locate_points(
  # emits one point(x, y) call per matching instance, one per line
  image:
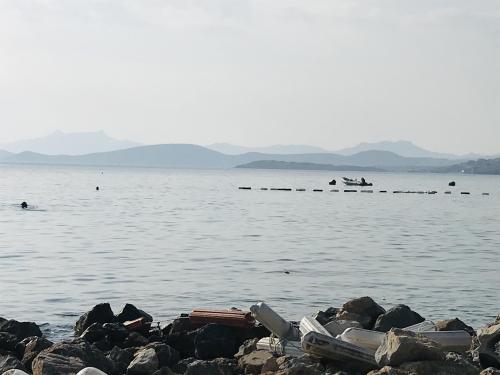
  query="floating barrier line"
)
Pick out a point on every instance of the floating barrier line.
point(431, 192)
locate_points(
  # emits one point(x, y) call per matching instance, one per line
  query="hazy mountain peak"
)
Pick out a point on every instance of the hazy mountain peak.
point(61, 143)
point(230, 149)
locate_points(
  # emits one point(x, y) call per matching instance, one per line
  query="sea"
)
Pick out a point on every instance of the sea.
point(169, 241)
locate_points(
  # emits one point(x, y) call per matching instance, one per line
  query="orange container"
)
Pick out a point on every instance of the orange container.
point(231, 318)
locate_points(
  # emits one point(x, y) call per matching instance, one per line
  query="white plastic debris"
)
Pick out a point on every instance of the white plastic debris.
point(273, 322)
point(309, 324)
point(91, 371)
point(280, 348)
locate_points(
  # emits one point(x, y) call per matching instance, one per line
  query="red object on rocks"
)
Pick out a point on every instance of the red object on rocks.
point(231, 318)
point(137, 324)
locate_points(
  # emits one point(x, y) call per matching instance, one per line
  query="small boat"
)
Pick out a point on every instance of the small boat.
point(355, 182)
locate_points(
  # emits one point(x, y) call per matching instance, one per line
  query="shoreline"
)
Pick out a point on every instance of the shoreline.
point(360, 337)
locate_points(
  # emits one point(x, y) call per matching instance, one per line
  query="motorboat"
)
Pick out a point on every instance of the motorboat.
point(355, 182)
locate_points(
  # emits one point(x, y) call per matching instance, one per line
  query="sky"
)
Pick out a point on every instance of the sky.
point(330, 73)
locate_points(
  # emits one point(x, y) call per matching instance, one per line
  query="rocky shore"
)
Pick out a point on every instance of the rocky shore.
point(361, 337)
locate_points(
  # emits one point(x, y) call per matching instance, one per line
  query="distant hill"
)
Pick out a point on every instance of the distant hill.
point(402, 148)
point(59, 143)
point(481, 166)
point(4, 154)
point(230, 149)
point(273, 164)
point(193, 156)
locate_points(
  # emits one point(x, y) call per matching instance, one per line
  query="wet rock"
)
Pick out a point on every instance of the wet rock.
point(181, 366)
point(134, 339)
point(215, 340)
point(71, 355)
point(365, 307)
point(454, 325)
point(8, 341)
point(121, 359)
point(400, 316)
point(116, 332)
point(9, 362)
point(100, 313)
point(93, 333)
point(253, 362)
point(402, 346)
point(130, 312)
point(20, 329)
point(247, 347)
point(167, 356)
point(490, 371)
point(337, 327)
point(54, 364)
point(145, 362)
point(182, 342)
point(103, 344)
point(489, 346)
point(180, 325)
point(32, 347)
point(218, 366)
point(325, 316)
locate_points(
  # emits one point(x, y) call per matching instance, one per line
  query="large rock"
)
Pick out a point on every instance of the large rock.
point(20, 329)
point(246, 348)
point(100, 313)
point(130, 312)
point(121, 359)
point(402, 346)
point(253, 362)
point(8, 341)
point(167, 356)
point(400, 316)
point(134, 339)
point(93, 333)
point(215, 340)
point(145, 362)
point(76, 354)
point(364, 307)
point(218, 366)
point(9, 362)
point(116, 332)
point(32, 347)
point(183, 342)
point(489, 346)
point(325, 316)
point(454, 325)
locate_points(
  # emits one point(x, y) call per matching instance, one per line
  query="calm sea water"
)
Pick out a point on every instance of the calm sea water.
point(172, 240)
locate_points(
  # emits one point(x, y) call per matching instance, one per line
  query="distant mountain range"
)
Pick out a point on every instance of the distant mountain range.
point(230, 149)
point(59, 143)
point(193, 156)
point(481, 166)
point(273, 164)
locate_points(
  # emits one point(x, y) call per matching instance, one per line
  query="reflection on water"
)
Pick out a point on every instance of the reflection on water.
point(172, 240)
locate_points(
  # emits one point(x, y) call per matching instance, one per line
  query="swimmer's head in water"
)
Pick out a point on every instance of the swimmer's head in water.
point(24, 205)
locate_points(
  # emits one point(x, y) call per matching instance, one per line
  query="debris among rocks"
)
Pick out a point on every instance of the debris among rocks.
point(399, 316)
point(454, 325)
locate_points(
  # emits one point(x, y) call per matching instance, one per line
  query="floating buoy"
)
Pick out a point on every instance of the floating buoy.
point(350, 191)
point(318, 190)
point(24, 205)
point(334, 190)
point(447, 192)
point(332, 182)
point(241, 188)
point(300, 189)
point(263, 188)
point(451, 183)
point(465, 193)
point(382, 191)
point(367, 191)
point(97, 188)
point(486, 194)
point(432, 192)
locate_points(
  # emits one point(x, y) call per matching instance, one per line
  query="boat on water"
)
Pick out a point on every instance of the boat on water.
point(355, 182)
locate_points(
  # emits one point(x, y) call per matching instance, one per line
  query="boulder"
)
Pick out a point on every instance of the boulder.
point(253, 362)
point(183, 342)
point(54, 364)
point(145, 362)
point(116, 332)
point(218, 366)
point(91, 371)
point(9, 362)
point(489, 346)
point(20, 329)
point(454, 325)
point(32, 347)
point(77, 353)
point(121, 359)
point(167, 356)
point(337, 327)
point(181, 324)
point(215, 340)
point(134, 339)
point(365, 307)
point(403, 346)
point(400, 316)
point(130, 312)
point(247, 347)
point(325, 316)
point(8, 341)
point(100, 313)
point(93, 333)
point(181, 366)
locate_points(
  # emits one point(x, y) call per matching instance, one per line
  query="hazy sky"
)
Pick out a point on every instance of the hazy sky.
point(330, 73)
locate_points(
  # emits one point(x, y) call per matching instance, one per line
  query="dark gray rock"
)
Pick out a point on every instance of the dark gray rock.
point(399, 316)
point(20, 329)
point(246, 348)
point(8, 341)
point(9, 362)
point(180, 325)
point(116, 332)
point(326, 316)
point(56, 364)
point(454, 325)
point(182, 342)
point(488, 350)
point(215, 340)
point(218, 366)
point(253, 362)
point(100, 313)
point(130, 312)
point(121, 359)
point(364, 306)
point(75, 352)
point(181, 366)
point(32, 347)
point(403, 346)
point(94, 332)
point(103, 344)
point(167, 356)
point(145, 362)
point(134, 339)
